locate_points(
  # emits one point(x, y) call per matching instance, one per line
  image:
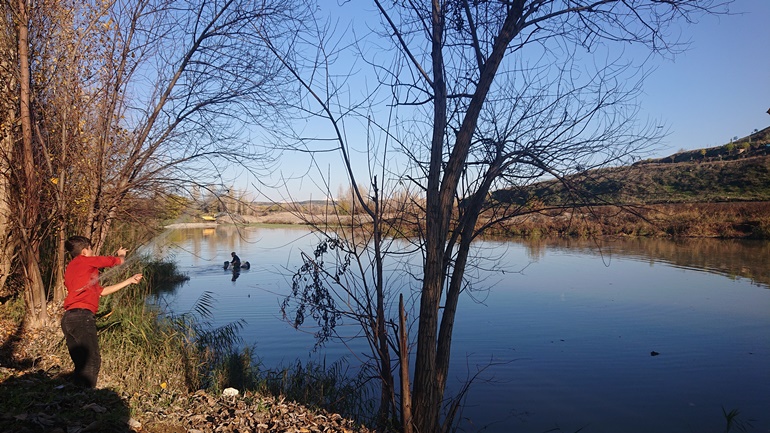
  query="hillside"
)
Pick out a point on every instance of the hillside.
point(737, 171)
point(756, 144)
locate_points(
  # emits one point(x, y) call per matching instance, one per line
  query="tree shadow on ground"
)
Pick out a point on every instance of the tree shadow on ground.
point(42, 402)
point(9, 347)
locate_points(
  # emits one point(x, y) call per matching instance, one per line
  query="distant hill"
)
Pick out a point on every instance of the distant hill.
point(737, 171)
point(756, 144)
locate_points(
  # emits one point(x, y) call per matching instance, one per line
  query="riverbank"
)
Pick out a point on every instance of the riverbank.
point(726, 220)
point(144, 385)
point(280, 217)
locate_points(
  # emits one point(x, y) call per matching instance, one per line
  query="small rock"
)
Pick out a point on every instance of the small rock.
point(230, 392)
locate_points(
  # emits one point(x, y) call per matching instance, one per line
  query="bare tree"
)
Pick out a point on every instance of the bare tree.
point(475, 97)
point(129, 100)
point(196, 77)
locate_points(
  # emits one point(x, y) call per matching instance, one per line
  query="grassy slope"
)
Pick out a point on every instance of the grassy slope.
point(737, 171)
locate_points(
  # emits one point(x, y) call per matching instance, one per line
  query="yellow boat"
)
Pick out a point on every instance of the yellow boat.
point(209, 217)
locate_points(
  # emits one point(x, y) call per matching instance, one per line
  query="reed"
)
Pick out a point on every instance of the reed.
point(735, 421)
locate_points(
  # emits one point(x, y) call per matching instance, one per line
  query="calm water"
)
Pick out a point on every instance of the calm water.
point(565, 330)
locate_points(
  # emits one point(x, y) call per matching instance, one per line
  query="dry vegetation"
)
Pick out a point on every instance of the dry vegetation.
point(144, 385)
point(740, 220)
point(713, 220)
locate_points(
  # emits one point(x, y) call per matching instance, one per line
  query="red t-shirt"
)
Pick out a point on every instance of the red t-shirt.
point(82, 281)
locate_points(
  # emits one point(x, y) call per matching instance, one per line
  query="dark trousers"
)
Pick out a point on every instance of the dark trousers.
point(79, 327)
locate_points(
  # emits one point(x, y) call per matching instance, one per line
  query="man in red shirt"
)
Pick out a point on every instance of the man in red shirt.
point(83, 291)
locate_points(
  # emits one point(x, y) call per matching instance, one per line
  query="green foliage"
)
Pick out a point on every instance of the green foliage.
point(162, 275)
point(173, 207)
point(156, 357)
point(316, 385)
point(141, 352)
point(745, 179)
point(206, 347)
point(333, 388)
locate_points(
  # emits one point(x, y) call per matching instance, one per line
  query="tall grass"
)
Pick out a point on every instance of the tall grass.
point(154, 358)
point(333, 387)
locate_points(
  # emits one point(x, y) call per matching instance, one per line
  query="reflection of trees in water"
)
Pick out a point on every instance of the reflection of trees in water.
point(163, 276)
point(536, 249)
point(730, 257)
point(166, 288)
point(213, 239)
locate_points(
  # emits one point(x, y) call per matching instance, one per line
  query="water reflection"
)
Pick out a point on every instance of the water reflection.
point(570, 339)
point(728, 257)
point(732, 258)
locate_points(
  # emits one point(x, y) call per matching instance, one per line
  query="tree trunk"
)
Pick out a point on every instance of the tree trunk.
point(7, 122)
point(387, 396)
point(34, 292)
point(426, 399)
point(34, 289)
point(6, 240)
point(403, 347)
point(430, 380)
point(59, 291)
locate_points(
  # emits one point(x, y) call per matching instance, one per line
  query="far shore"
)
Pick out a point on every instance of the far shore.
point(727, 220)
point(191, 225)
point(272, 218)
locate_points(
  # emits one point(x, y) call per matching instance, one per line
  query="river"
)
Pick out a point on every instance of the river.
point(642, 335)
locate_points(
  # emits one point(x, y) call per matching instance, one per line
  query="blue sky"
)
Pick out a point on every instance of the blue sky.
point(717, 89)
point(720, 87)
